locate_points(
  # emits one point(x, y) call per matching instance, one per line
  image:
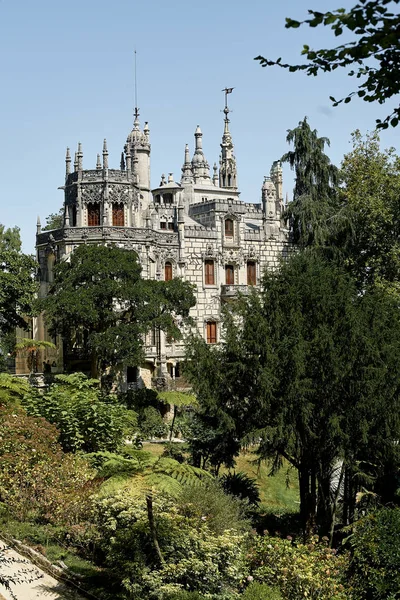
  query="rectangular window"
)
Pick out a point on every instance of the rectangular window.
point(251, 273)
point(118, 217)
point(211, 332)
point(163, 225)
point(170, 226)
point(228, 228)
point(168, 271)
point(209, 278)
point(93, 212)
point(229, 275)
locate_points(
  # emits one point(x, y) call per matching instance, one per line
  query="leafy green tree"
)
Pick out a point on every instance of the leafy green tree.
point(87, 420)
point(374, 541)
point(54, 221)
point(314, 195)
point(373, 54)
point(30, 347)
point(152, 476)
point(180, 401)
point(310, 367)
point(100, 290)
point(17, 282)
point(369, 238)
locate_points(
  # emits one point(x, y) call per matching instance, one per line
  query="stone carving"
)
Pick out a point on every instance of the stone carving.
point(92, 192)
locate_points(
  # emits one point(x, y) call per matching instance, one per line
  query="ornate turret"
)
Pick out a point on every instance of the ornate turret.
point(187, 174)
point(227, 162)
point(137, 148)
point(200, 166)
point(67, 163)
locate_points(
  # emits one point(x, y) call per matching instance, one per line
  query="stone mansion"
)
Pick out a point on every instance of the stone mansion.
point(197, 229)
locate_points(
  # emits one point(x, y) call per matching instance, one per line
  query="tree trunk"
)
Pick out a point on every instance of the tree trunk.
point(153, 531)
point(172, 424)
point(307, 485)
point(94, 372)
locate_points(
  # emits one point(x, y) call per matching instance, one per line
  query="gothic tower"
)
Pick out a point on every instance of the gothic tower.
point(227, 161)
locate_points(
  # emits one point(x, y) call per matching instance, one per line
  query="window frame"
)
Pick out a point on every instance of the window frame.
point(251, 277)
point(229, 233)
point(168, 271)
point(118, 211)
point(93, 208)
point(231, 270)
point(209, 274)
point(211, 332)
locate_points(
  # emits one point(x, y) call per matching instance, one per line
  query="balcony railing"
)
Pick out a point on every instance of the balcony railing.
point(231, 290)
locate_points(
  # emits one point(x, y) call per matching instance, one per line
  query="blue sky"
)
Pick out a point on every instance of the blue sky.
point(67, 77)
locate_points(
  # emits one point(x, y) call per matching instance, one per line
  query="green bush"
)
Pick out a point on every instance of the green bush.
point(310, 571)
point(196, 558)
point(86, 420)
point(241, 485)
point(213, 506)
point(374, 569)
point(182, 595)
point(175, 450)
point(261, 591)
point(151, 423)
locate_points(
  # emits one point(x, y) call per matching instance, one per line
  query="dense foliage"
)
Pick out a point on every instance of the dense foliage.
point(375, 555)
point(17, 283)
point(99, 291)
point(300, 571)
point(37, 480)
point(373, 54)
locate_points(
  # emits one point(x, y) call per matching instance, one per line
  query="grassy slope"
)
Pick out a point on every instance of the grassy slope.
point(275, 494)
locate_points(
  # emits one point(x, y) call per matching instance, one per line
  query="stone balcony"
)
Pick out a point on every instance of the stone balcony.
point(229, 291)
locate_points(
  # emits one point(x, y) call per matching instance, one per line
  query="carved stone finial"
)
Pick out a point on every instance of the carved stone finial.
point(67, 162)
point(38, 226)
point(98, 163)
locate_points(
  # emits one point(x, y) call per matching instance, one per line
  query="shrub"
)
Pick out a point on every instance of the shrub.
point(151, 423)
point(213, 506)
point(85, 420)
point(196, 558)
point(176, 451)
point(241, 485)
point(37, 480)
point(261, 591)
point(374, 568)
point(300, 571)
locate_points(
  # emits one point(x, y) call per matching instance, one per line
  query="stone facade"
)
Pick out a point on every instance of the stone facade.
point(197, 229)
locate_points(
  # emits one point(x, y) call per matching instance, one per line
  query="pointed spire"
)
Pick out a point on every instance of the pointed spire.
point(98, 163)
point(67, 162)
point(80, 157)
point(122, 163)
point(76, 162)
point(66, 221)
point(187, 174)
point(200, 166)
point(215, 175)
point(227, 161)
point(105, 155)
point(162, 182)
point(38, 226)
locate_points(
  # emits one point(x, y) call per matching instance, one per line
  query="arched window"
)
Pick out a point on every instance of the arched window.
point(93, 214)
point(251, 273)
point(118, 217)
point(229, 275)
point(229, 180)
point(168, 271)
point(228, 228)
point(167, 198)
point(211, 331)
point(157, 199)
point(209, 273)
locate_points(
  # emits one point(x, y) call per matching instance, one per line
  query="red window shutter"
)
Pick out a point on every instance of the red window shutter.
point(251, 273)
point(93, 211)
point(229, 275)
point(211, 332)
point(209, 272)
point(118, 217)
point(168, 271)
point(228, 228)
